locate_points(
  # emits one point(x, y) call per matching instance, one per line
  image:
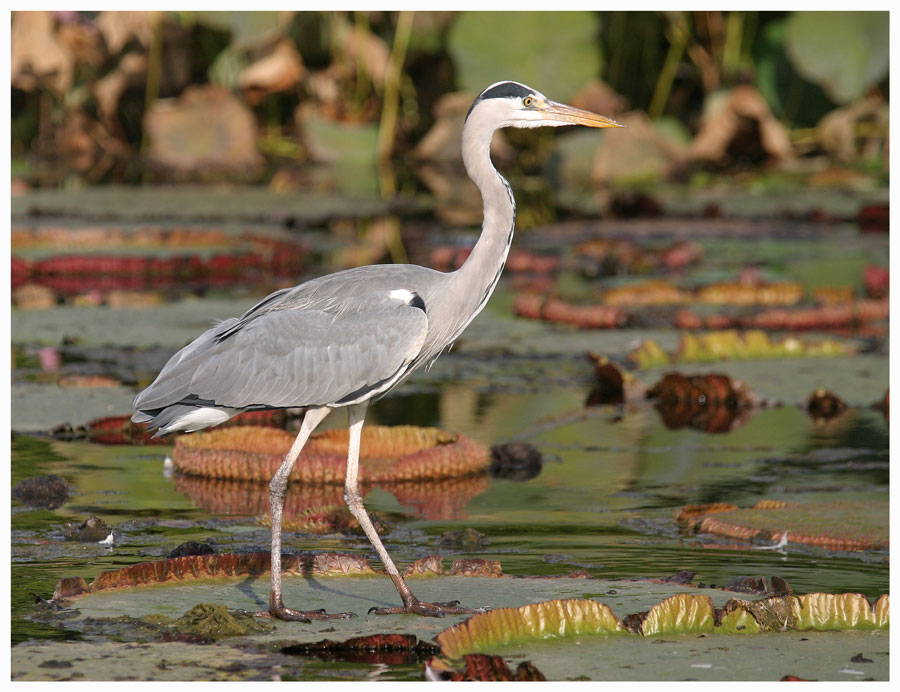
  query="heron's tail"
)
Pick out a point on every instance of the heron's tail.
point(183, 418)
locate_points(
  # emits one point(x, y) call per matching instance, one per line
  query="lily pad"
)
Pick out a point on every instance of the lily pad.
point(557, 618)
point(398, 453)
point(844, 74)
point(684, 613)
point(523, 622)
point(829, 525)
point(529, 50)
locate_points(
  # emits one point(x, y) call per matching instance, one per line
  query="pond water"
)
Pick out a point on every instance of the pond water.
point(604, 499)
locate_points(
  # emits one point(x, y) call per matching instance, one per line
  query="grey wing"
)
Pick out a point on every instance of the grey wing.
point(291, 358)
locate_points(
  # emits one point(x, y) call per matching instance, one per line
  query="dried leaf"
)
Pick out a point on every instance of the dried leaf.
point(206, 129)
point(280, 69)
point(118, 28)
point(37, 58)
point(740, 122)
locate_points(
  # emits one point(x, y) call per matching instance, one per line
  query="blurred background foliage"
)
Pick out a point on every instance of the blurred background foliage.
point(131, 97)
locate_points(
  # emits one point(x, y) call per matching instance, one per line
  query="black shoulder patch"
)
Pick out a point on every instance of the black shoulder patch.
point(417, 302)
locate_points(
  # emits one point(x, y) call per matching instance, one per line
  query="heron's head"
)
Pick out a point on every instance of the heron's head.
point(510, 104)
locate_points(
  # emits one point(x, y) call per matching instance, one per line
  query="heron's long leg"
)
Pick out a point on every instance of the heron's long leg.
point(411, 604)
point(277, 490)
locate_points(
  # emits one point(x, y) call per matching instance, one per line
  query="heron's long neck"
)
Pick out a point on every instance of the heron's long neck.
point(478, 276)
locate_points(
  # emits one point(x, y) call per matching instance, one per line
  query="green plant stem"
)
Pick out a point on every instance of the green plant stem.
point(154, 73)
point(731, 51)
point(390, 101)
point(387, 128)
point(677, 42)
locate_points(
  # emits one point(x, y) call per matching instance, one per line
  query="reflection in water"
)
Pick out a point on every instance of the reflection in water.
point(321, 508)
point(516, 461)
point(711, 403)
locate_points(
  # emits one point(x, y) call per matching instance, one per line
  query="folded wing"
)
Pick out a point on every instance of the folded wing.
point(287, 358)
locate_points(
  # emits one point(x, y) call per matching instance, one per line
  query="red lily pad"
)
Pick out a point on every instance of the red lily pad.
point(829, 525)
point(399, 453)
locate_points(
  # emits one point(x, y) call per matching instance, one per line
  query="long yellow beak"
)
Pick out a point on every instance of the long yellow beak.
point(568, 114)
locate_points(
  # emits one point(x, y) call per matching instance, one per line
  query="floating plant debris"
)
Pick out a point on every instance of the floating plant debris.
point(398, 453)
point(515, 461)
point(49, 492)
point(823, 405)
point(214, 621)
point(476, 567)
point(712, 402)
point(464, 539)
point(828, 525)
point(482, 668)
point(191, 548)
point(91, 530)
point(609, 387)
point(374, 649)
point(431, 565)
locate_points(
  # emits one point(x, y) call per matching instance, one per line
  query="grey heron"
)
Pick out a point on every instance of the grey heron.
point(342, 340)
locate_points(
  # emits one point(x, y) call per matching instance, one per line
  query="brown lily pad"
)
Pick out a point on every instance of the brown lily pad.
point(829, 525)
point(554, 310)
point(193, 567)
point(399, 453)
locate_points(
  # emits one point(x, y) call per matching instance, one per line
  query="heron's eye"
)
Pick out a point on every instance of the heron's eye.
point(528, 101)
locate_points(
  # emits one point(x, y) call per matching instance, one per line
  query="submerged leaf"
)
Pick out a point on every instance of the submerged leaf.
point(213, 621)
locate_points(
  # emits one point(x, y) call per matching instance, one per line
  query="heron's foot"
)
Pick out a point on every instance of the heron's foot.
point(432, 610)
point(289, 614)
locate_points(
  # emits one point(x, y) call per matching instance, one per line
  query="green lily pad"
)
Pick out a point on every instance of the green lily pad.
point(555, 52)
point(556, 618)
point(681, 614)
point(844, 52)
point(830, 525)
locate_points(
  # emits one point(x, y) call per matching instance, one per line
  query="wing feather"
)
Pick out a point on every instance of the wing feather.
point(291, 358)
